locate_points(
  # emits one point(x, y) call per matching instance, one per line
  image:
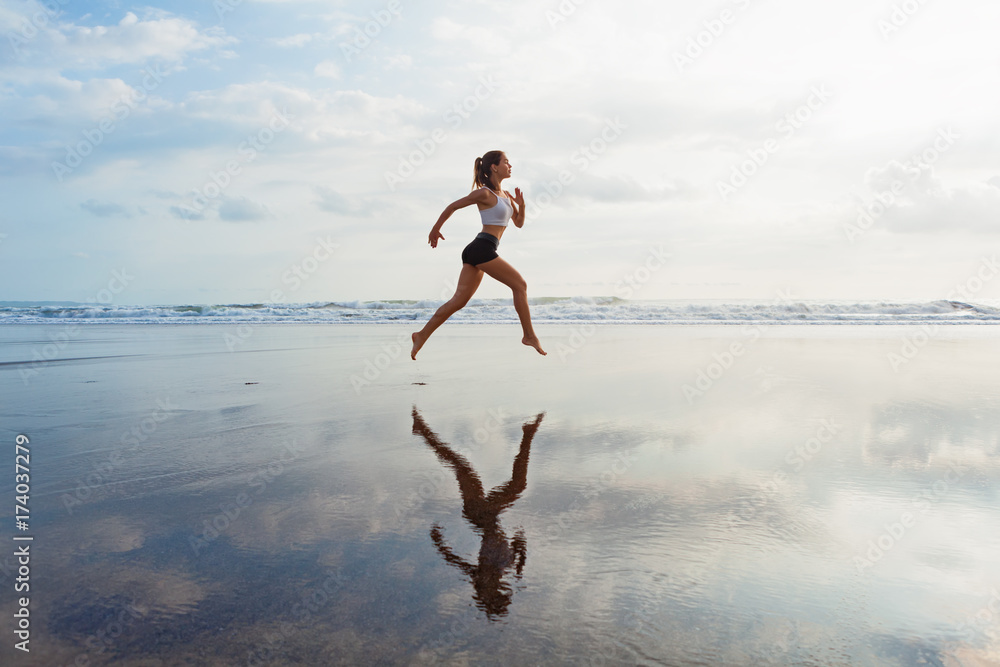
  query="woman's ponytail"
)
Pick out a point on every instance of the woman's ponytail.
point(481, 170)
point(476, 170)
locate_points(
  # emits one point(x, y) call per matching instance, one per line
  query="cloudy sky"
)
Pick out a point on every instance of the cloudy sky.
point(200, 152)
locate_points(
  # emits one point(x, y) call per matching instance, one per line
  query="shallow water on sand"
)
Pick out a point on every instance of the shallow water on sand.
point(307, 495)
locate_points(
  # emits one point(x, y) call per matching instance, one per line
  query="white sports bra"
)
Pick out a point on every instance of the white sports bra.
point(499, 215)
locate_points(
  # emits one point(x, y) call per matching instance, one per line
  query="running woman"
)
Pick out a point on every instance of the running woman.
point(497, 208)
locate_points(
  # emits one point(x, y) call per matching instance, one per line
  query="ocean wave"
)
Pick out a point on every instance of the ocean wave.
point(611, 310)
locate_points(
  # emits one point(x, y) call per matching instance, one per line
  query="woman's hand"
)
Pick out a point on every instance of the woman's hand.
point(518, 206)
point(433, 238)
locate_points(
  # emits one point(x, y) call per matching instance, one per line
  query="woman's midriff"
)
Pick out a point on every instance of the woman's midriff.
point(494, 230)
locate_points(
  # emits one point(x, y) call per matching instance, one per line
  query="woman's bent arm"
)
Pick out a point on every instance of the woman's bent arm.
point(479, 196)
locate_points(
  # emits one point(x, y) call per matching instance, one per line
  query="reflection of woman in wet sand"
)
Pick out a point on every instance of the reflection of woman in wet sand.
point(496, 555)
point(496, 207)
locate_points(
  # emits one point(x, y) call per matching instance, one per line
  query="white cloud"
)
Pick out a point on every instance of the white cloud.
point(918, 201)
point(241, 210)
point(294, 41)
point(245, 103)
point(131, 40)
point(401, 62)
point(328, 69)
point(354, 120)
point(481, 40)
point(332, 201)
point(337, 116)
point(59, 99)
point(972, 209)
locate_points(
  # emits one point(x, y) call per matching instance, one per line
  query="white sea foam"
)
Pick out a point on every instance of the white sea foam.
point(609, 310)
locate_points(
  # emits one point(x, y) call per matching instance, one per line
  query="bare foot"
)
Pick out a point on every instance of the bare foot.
point(418, 342)
point(533, 342)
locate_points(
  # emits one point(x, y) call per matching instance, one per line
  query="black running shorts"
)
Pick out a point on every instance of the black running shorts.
point(482, 249)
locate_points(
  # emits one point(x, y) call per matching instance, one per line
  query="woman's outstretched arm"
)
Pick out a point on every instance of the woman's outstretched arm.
point(449, 555)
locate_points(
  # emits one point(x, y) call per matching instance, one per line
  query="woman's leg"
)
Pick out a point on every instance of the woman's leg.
point(500, 270)
point(468, 283)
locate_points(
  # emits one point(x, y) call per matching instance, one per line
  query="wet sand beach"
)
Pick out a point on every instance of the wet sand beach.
point(308, 495)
